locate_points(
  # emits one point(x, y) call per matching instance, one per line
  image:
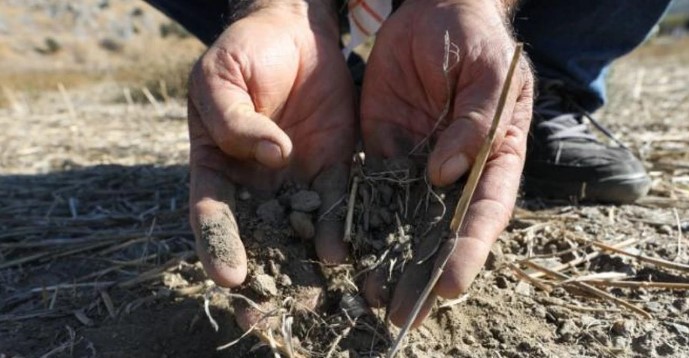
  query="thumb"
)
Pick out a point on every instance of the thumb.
point(227, 112)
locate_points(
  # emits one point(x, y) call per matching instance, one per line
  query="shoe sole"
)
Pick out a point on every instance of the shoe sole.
point(616, 190)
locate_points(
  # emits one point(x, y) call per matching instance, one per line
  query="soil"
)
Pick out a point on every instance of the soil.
point(97, 258)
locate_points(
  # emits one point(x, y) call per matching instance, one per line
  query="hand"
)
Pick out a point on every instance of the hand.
point(270, 100)
point(404, 93)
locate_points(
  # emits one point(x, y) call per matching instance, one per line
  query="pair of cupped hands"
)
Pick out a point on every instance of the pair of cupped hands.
point(272, 100)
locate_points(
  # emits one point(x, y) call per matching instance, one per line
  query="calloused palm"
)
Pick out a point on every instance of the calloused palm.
point(270, 100)
point(404, 93)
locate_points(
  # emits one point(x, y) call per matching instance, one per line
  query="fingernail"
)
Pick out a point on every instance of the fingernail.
point(453, 169)
point(268, 153)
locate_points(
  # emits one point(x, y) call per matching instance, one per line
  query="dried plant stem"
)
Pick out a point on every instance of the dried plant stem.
point(533, 280)
point(590, 289)
point(350, 210)
point(149, 96)
point(647, 259)
point(462, 204)
point(641, 284)
point(67, 100)
point(585, 258)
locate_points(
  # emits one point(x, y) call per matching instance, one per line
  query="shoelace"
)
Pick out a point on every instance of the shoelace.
point(566, 125)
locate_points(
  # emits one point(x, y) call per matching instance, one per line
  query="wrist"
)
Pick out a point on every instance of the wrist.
point(320, 15)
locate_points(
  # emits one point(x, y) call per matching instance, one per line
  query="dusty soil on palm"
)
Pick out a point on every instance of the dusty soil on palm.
point(97, 257)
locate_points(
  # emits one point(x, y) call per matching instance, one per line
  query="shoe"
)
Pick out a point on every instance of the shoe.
point(566, 161)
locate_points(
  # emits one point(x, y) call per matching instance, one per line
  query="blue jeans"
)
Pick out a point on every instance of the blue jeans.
point(571, 40)
point(576, 40)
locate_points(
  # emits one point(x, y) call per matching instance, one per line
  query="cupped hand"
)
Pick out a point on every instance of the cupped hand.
point(271, 100)
point(404, 94)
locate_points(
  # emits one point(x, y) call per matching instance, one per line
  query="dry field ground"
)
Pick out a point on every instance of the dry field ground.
point(96, 256)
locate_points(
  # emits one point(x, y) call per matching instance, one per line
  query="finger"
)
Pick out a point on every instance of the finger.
point(211, 199)
point(487, 216)
point(331, 186)
point(474, 107)
point(416, 275)
point(218, 90)
point(407, 292)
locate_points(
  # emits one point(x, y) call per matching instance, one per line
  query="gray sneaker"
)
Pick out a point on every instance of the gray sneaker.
point(565, 160)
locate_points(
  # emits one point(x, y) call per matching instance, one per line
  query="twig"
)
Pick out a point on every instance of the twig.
point(339, 338)
point(455, 302)
point(67, 100)
point(533, 280)
point(152, 99)
point(156, 272)
point(651, 260)
point(462, 204)
point(350, 210)
point(641, 284)
point(679, 234)
point(590, 289)
point(128, 97)
point(12, 98)
point(585, 258)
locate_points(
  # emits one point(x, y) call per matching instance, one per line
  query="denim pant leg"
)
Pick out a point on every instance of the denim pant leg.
point(575, 41)
point(204, 19)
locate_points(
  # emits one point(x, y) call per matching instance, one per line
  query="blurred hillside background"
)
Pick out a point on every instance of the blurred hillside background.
point(46, 42)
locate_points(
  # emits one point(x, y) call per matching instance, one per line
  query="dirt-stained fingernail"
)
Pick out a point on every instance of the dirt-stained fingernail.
point(453, 169)
point(270, 154)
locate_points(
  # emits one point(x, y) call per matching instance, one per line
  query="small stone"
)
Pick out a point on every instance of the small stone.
point(271, 212)
point(620, 342)
point(302, 224)
point(654, 306)
point(681, 304)
point(665, 229)
point(244, 195)
point(665, 349)
point(469, 340)
point(501, 282)
point(680, 328)
point(495, 257)
point(623, 327)
point(285, 280)
point(525, 289)
point(567, 331)
point(264, 285)
point(259, 235)
point(539, 311)
point(305, 200)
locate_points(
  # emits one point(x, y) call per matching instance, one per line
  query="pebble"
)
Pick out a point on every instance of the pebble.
point(654, 306)
point(665, 349)
point(305, 200)
point(271, 212)
point(244, 195)
point(567, 331)
point(681, 304)
point(469, 339)
point(501, 282)
point(264, 285)
point(623, 327)
point(285, 280)
point(302, 224)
